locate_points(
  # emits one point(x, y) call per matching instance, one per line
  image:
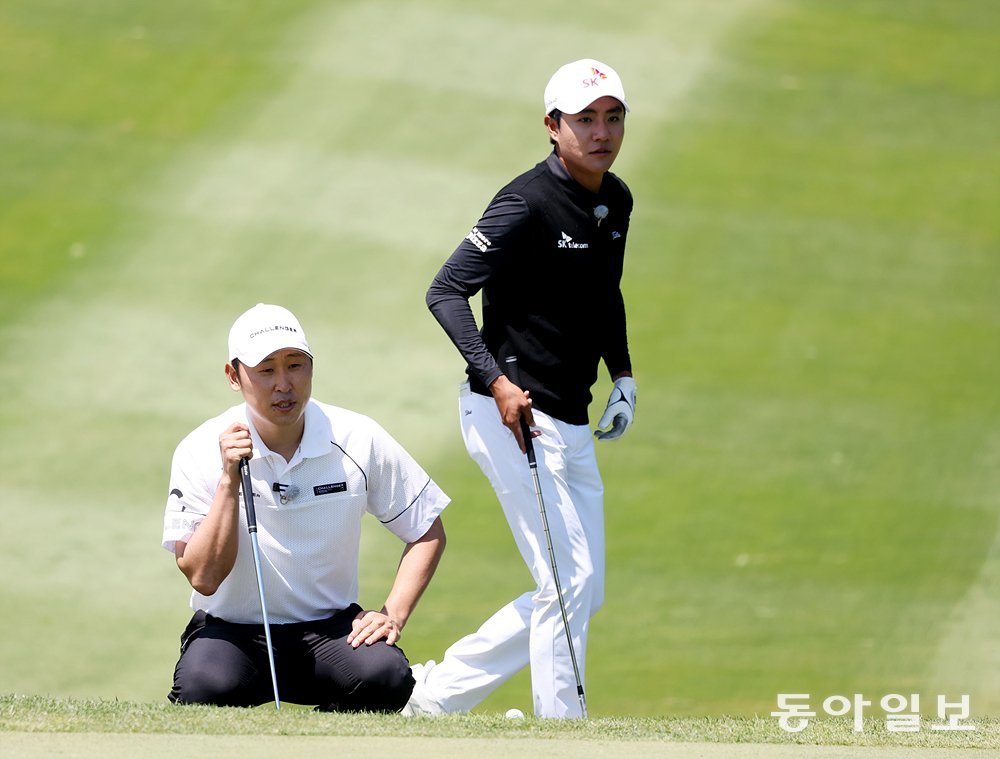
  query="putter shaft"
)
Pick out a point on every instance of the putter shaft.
point(255, 544)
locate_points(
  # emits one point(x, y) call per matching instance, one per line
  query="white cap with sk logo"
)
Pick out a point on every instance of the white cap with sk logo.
point(578, 84)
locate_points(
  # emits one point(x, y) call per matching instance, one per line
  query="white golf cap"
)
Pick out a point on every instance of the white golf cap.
point(262, 330)
point(578, 84)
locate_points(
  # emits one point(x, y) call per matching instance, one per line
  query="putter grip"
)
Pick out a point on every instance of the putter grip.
point(248, 494)
point(515, 376)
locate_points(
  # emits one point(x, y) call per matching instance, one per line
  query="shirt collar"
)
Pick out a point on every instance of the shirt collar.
point(316, 435)
point(555, 166)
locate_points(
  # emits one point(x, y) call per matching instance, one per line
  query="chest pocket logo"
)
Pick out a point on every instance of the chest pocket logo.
point(330, 487)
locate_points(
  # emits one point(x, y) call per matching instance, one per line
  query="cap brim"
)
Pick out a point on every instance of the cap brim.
point(583, 101)
point(252, 359)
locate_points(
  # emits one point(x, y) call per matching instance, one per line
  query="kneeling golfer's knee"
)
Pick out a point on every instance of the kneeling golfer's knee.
point(386, 685)
point(211, 685)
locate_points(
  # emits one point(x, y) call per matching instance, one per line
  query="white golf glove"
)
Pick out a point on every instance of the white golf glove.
point(620, 410)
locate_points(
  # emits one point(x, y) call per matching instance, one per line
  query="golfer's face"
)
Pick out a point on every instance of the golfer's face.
point(278, 388)
point(589, 141)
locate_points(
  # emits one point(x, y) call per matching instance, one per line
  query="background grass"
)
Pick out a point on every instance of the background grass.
point(808, 501)
point(93, 717)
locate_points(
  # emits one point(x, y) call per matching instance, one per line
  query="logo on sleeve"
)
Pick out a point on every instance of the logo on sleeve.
point(567, 242)
point(179, 495)
point(478, 239)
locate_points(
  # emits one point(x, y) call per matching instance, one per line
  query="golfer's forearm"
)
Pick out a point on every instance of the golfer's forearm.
point(416, 568)
point(210, 555)
point(412, 579)
point(455, 316)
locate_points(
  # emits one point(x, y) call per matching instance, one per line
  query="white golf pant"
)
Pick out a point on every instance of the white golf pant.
point(529, 630)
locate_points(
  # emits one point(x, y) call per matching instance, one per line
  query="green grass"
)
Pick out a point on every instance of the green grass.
point(96, 96)
point(91, 716)
point(808, 501)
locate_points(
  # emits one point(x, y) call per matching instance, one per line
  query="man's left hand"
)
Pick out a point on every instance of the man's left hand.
point(620, 411)
point(372, 626)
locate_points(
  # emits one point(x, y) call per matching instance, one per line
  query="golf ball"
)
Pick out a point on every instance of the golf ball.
point(514, 714)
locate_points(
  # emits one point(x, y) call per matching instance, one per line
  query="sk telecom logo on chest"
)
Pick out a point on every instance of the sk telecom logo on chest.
point(567, 242)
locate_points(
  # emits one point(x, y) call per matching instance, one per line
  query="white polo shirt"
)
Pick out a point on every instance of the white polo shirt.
point(308, 511)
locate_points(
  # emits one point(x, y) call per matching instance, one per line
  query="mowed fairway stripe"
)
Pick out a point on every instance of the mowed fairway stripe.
point(338, 194)
point(968, 657)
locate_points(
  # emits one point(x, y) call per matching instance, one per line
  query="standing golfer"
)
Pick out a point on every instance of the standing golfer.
point(315, 470)
point(547, 255)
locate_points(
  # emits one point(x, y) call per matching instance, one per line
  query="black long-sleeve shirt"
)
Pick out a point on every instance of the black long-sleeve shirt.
point(550, 272)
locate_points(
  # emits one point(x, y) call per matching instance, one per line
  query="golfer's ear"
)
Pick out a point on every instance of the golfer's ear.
point(552, 127)
point(233, 375)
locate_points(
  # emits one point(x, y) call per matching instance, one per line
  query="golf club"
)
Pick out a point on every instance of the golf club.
point(514, 376)
point(252, 527)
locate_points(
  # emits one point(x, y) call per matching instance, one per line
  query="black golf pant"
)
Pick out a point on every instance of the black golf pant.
point(226, 664)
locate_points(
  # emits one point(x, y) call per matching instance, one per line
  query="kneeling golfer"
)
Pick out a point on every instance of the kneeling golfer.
point(314, 470)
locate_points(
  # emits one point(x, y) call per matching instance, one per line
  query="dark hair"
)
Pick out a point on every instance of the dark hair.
point(556, 115)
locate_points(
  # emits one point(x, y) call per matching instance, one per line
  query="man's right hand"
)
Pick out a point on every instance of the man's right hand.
point(513, 403)
point(235, 444)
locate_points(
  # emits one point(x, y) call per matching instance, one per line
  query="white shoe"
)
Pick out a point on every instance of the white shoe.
point(421, 703)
